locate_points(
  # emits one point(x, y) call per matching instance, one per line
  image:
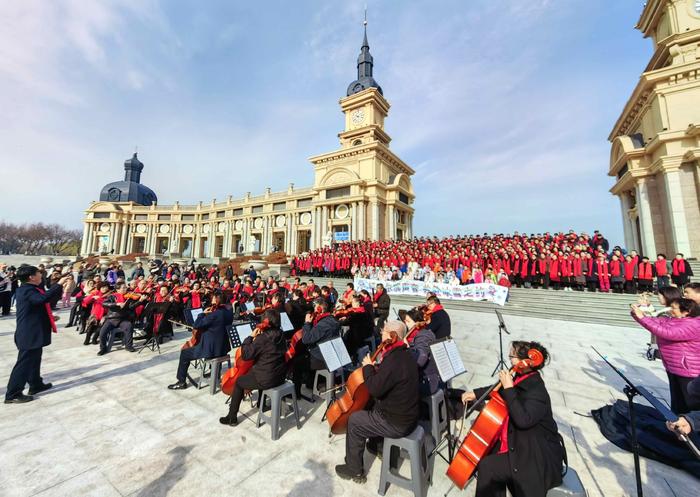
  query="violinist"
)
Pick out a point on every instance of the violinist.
point(297, 308)
point(361, 326)
point(266, 346)
point(120, 316)
point(381, 302)
point(158, 314)
point(418, 340)
point(318, 327)
point(440, 323)
point(393, 384)
point(94, 300)
point(528, 456)
point(348, 294)
point(214, 342)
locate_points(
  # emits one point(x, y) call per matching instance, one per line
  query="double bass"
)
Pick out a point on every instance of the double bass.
point(240, 365)
point(354, 398)
point(486, 428)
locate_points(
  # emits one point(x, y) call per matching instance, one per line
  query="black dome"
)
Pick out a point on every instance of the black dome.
point(130, 189)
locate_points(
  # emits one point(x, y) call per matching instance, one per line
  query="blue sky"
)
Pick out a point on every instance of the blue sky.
point(503, 107)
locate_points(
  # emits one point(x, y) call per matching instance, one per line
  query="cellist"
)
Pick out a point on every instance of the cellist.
point(266, 346)
point(214, 342)
point(528, 456)
point(393, 384)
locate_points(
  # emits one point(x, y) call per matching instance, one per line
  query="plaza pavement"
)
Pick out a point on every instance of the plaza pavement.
point(109, 427)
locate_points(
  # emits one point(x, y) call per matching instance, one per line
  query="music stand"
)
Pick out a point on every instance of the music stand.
point(450, 365)
point(158, 308)
point(501, 328)
point(631, 391)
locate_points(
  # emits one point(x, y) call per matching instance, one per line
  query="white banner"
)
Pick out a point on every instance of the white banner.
point(488, 292)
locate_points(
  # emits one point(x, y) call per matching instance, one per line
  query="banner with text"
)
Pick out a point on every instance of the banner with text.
point(488, 292)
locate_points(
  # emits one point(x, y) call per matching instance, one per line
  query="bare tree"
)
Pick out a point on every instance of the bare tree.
point(38, 238)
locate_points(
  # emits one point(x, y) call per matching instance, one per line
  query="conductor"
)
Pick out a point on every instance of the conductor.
point(35, 322)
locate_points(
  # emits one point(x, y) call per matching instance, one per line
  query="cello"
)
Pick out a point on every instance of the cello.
point(240, 365)
point(486, 428)
point(354, 398)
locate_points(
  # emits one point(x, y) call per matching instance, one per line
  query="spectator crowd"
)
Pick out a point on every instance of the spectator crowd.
point(562, 261)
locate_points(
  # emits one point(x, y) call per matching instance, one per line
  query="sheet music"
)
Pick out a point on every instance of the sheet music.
point(286, 323)
point(239, 332)
point(342, 351)
point(329, 355)
point(249, 306)
point(455, 359)
point(447, 359)
point(195, 313)
point(334, 353)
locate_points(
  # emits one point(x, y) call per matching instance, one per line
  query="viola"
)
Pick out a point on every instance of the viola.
point(294, 343)
point(354, 398)
point(486, 428)
point(240, 365)
point(196, 333)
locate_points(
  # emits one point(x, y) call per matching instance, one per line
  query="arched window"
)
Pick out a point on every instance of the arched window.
point(356, 143)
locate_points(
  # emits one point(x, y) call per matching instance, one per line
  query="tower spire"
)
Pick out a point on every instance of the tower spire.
point(365, 66)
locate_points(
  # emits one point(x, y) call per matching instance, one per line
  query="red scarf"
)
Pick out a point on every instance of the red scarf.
point(438, 307)
point(320, 317)
point(196, 300)
point(678, 266)
point(615, 268)
point(48, 311)
point(412, 334)
point(645, 271)
point(504, 427)
point(396, 345)
point(661, 268)
point(377, 295)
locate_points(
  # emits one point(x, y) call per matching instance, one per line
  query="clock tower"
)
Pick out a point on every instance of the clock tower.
point(364, 178)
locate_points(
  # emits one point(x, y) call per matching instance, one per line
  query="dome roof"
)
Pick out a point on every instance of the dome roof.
point(130, 189)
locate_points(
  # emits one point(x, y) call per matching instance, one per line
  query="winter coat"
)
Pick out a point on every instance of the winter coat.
point(679, 343)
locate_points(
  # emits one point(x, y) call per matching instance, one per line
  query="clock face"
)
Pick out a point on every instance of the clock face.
point(358, 116)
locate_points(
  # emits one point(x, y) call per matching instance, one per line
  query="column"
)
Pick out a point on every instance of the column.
point(409, 223)
point(375, 220)
point(676, 210)
point(361, 228)
point(114, 238)
point(353, 223)
point(392, 221)
point(126, 231)
point(314, 227)
point(648, 245)
point(624, 206)
point(84, 241)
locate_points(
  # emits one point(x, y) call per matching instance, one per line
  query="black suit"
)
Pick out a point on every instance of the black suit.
point(269, 370)
point(213, 341)
point(440, 324)
point(533, 463)
point(32, 334)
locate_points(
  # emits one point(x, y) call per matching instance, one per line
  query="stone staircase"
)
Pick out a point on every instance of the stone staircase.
point(585, 307)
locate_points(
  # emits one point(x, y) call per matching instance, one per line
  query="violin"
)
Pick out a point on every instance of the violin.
point(354, 398)
point(197, 333)
point(294, 343)
point(486, 428)
point(240, 365)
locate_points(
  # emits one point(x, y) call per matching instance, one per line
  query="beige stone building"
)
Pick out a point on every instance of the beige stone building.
point(360, 191)
point(656, 141)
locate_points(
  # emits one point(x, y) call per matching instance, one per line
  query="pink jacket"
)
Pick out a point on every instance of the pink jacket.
point(679, 343)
